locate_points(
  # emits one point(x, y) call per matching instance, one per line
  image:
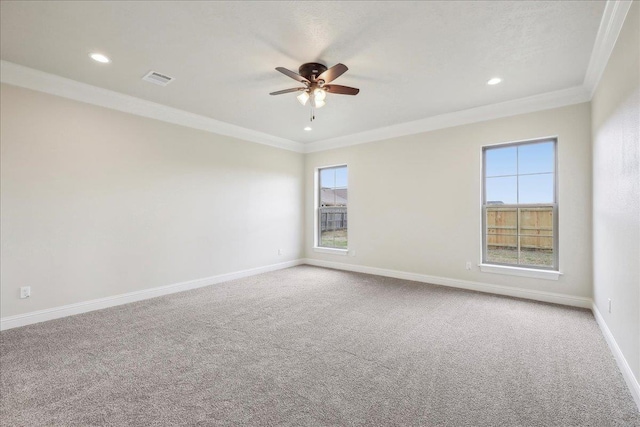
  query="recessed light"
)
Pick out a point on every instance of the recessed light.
point(307, 128)
point(494, 81)
point(100, 58)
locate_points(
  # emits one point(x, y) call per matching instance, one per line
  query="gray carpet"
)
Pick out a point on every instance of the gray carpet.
point(314, 347)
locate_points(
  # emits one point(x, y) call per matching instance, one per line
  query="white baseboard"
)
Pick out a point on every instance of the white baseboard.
point(462, 284)
point(630, 379)
point(563, 299)
point(10, 322)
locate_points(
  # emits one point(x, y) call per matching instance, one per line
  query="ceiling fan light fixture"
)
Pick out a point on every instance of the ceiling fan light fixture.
point(303, 98)
point(319, 94)
point(314, 77)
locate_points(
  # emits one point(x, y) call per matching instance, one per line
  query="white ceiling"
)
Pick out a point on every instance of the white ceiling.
point(411, 60)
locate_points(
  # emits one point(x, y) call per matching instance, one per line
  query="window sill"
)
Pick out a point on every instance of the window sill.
point(519, 271)
point(332, 251)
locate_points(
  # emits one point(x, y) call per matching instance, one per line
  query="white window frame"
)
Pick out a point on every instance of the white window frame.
point(534, 271)
point(316, 215)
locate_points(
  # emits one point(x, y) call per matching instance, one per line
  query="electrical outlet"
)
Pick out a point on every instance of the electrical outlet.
point(279, 251)
point(468, 266)
point(609, 305)
point(25, 291)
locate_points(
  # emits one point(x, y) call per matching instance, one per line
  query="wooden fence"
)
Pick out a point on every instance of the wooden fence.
point(333, 218)
point(536, 227)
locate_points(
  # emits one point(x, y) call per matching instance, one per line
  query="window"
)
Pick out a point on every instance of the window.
point(332, 207)
point(519, 205)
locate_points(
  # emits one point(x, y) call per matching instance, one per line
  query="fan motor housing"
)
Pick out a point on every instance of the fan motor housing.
point(311, 69)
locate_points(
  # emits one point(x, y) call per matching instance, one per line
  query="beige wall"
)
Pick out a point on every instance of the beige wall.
point(616, 191)
point(414, 201)
point(96, 202)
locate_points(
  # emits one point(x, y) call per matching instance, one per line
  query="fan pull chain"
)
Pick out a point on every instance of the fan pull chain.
point(312, 115)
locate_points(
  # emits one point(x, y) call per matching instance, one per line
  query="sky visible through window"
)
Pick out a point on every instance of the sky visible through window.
point(520, 174)
point(334, 177)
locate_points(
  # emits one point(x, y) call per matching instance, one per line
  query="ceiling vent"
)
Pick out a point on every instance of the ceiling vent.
point(157, 78)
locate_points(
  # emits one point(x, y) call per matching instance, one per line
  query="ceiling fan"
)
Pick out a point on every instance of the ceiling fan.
point(315, 77)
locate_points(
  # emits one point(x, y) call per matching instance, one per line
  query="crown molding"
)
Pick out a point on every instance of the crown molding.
point(610, 26)
point(613, 18)
point(545, 101)
point(30, 78)
point(615, 12)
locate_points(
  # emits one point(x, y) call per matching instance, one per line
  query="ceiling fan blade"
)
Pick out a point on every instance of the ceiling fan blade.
point(295, 89)
point(294, 76)
point(333, 73)
point(341, 90)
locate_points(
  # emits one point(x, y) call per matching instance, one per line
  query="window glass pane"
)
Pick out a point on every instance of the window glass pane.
point(536, 221)
point(341, 177)
point(334, 239)
point(327, 197)
point(329, 228)
point(503, 252)
point(327, 178)
point(540, 254)
point(501, 161)
point(536, 236)
point(535, 188)
point(343, 196)
point(536, 158)
point(333, 228)
point(332, 213)
point(524, 235)
point(501, 235)
point(500, 191)
point(501, 222)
